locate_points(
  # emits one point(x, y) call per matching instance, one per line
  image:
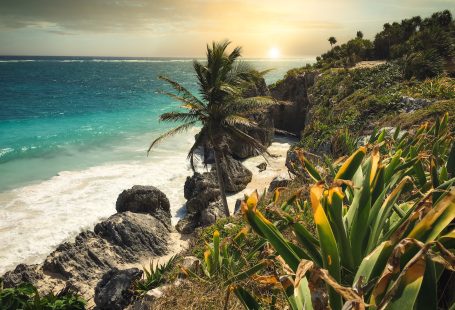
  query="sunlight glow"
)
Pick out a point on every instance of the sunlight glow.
point(274, 53)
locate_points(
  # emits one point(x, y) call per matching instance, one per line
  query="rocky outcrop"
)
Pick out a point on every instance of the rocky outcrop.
point(204, 204)
point(235, 175)
point(291, 117)
point(277, 182)
point(22, 273)
point(123, 238)
point(263, 134)
point(200, 190)
point(115, 290)
point(145, 199)
point(264, 120)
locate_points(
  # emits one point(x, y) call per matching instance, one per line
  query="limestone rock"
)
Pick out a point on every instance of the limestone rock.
point(144, 199)
point(22, 273)
point(235, 175)
point(278, 181)
point(291, 117)
point(115, 290)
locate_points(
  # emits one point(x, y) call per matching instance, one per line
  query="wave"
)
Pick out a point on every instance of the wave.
point(75, 200)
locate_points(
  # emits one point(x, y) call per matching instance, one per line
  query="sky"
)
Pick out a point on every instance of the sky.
point(182, 28)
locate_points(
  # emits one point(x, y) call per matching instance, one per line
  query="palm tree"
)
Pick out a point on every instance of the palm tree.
point(332, 41)
point(359, 34)
point(221, 110)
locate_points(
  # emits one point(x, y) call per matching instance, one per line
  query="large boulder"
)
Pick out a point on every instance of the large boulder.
point(115, 290)
point(235, 175)
point(144, 199)
point(291, 117)
point(263, 134)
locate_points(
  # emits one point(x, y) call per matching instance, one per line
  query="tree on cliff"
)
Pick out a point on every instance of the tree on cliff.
point(332, 41)
point(221, 109)
point(359, 34)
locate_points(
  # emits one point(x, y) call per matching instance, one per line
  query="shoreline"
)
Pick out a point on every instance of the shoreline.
point(51, 204)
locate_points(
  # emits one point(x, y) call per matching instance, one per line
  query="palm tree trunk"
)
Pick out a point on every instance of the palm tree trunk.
point(219, 175)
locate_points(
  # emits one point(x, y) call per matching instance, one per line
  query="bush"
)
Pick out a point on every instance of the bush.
point(423, 64)
point(26, 297)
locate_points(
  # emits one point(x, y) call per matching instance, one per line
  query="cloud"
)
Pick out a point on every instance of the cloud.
point(155, 16)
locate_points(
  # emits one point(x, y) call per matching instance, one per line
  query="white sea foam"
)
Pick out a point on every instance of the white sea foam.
point(34, 219)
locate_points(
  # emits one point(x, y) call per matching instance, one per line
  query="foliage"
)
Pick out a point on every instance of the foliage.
point(154, 276)
point(423, 46)
point(440, 88)
point(422, 64)
point(383, 222)
point(26, 296)
point(222, 110)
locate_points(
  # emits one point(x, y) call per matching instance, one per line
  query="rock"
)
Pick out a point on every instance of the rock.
point(213, 212)
point(122, 238)
point(144, 199)
point(188, 224)
point(262, 166)
point(154, 294)
point(291, 117)
point(235, 175)
point(293, 163)
point(190, 262)
point(22, 273)
point(200, 190)
point(263, 134)
point(278, 181)
point(229, 226)
point(409, 104)
point(115, 290)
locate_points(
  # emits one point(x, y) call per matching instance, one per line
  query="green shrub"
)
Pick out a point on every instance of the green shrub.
point(26, 297)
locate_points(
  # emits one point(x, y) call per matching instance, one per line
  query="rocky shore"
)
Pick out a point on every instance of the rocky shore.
point(101, 264)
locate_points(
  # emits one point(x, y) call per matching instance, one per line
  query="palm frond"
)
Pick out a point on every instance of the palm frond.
point(247, 139)
point(196, 105)
point(236, 120)
point(171, 133)
point(179, 117)
point(199, 140)
point(182, 90)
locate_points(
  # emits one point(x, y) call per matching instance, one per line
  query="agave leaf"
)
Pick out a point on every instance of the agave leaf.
point(329, 248)
point(308, 166)
point(411, 283)
point(350, 166)
point(247, 300)
point(265, 228)
point(436, 220)
point(373, 264)
point(451, 161)
point(247, 273)
point(308, 241)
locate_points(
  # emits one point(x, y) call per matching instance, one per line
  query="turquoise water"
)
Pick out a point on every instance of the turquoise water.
point(61, 114)
point(74, 134)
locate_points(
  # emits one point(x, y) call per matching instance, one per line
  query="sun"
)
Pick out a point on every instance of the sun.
point(274, 53)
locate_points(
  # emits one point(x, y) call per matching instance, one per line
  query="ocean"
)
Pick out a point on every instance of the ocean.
point(74, 133)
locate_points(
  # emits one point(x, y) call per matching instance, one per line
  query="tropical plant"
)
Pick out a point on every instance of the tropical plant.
point(383, 224)
point(332, 41)
point(226, 259)
point(26, 297)
point(359, 34)
point(154, 276)
point(221, 110)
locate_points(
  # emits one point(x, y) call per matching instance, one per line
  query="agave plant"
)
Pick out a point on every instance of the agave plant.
point(384, 216)
point(154, 276)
